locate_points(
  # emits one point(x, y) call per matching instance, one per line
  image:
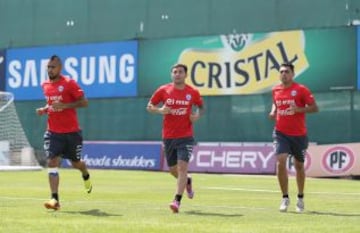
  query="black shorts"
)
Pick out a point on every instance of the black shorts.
point(292, 145)
point(65, 145)
point(178, 149)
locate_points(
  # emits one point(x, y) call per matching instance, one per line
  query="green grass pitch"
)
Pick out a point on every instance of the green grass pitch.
point(137, 201)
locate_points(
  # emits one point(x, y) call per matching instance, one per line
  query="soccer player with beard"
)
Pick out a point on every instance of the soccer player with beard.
point(177, 100)
point(63, 137)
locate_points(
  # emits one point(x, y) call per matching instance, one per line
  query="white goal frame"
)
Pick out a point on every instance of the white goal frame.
point(16, 152)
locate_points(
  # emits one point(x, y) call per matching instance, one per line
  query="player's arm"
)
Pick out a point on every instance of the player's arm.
point(310, 103)
point(311, 108)
point(272, 114)
point(151, 108)
point(80, 103)
point(42, 110)
point(194, 116)
point(307, 109)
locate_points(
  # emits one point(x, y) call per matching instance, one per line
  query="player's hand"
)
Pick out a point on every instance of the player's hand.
point(194, 116)
point(164, 110)
point(294, 109)
point(41, 111)
point(272, 115)
point(58, 106)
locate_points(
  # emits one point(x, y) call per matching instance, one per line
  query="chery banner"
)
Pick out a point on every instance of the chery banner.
point(241, 158)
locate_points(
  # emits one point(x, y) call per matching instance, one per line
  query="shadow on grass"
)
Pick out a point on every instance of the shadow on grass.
point(200, 213)
point(93, 212)
point(331, 214)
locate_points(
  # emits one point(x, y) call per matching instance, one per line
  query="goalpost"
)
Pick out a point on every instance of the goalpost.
point(15, 150)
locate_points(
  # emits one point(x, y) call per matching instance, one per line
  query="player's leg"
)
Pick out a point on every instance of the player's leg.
point(81, 166)
point(170, 156)
point(73, 153)
point(300, 180)
point(300, 144)
point(189, 187)
point(184, 152)
point(182, 168)
point(282, 150)
point(171, 159)
point(189, 180)
point(53, 145)
point(282, 176)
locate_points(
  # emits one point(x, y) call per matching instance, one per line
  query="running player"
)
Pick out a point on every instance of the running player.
point(291, 101)
point(63, 138)
point(177, 99)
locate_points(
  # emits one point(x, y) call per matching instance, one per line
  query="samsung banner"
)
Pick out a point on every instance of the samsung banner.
point(121, 155)
point(101, 69)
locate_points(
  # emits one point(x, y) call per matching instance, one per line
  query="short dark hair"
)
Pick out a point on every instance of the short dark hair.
point(289, 65)
point(180, 65)
point(55, 58)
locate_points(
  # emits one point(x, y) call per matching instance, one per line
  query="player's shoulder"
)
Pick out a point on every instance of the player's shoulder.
point(300, 86)
point(66, 79)
point(165, 87)
point(191, 88)
point(277, 87)
point(45, 82)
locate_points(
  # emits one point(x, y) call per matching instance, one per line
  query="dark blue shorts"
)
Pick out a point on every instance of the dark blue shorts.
point(292, 145)
point(65, 145)
point(178, 149)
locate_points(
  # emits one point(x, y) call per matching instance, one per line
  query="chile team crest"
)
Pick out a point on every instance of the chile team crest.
point(61, 88)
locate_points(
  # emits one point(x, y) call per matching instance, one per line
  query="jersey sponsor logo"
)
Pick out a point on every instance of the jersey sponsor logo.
point(171, 101)
point(288, 111)
point(178, 111)
point(338, 159)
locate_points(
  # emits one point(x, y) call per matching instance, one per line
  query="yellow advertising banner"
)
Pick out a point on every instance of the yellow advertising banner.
point(254, 69)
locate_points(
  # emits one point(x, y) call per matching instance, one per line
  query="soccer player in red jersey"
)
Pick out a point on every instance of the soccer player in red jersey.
point(291, 101)
point(177, 100)
point(63, 137)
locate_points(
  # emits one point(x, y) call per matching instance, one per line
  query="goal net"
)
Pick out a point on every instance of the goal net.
point(15, 150)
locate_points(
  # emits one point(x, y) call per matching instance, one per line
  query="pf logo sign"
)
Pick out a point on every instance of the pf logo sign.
point(338, 160)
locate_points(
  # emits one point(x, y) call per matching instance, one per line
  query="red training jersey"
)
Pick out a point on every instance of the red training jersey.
point(177, 124)
point(65, 90)
point(288, 122)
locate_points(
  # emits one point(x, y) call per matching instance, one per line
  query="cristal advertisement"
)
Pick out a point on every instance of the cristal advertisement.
point(238, 64)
